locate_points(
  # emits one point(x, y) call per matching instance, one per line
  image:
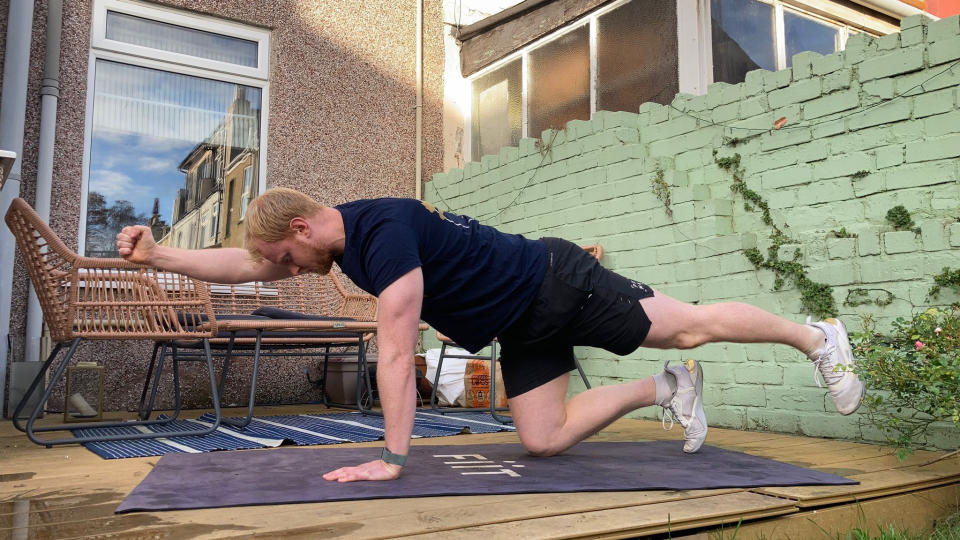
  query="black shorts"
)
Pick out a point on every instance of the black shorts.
point(579, 303)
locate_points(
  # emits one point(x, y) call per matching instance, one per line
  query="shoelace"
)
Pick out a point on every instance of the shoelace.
point(673, 412)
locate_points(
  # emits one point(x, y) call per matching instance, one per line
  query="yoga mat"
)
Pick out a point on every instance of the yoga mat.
point(293, 475)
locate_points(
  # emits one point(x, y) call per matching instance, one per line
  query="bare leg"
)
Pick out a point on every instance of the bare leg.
point(678, 325)
point(548, 426)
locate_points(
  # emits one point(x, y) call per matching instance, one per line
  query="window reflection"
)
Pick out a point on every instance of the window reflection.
point(165, 149)
point(805, 34)
point(559, 82)
point(497, 110)
point(743, 38)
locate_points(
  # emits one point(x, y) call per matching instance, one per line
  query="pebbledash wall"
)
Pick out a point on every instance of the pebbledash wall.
point(868, 128)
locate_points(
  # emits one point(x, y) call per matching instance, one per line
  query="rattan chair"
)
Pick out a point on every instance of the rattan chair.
point(445, 342)
point(105, 299)
point(304, 316)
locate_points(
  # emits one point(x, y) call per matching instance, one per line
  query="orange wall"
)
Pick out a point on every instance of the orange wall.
point(943, 8)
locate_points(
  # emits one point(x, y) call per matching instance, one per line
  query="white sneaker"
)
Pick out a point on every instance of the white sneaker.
point(686, 405)
point(835, 363)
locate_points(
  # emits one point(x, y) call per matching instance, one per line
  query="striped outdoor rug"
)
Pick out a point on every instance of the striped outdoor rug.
point(272, 431)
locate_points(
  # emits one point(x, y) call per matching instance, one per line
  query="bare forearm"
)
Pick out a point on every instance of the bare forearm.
point(219, 265)
point(395, 381)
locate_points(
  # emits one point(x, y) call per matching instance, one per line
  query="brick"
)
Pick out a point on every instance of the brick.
point(830, 128)
point(895, 63)
point(945, 28)
point(779, 139)
point(843, 165)
point(758, 373)
point(837, 273)
point(721, 93)
point(753, 82)
point(888, 42)
point(912, 36)
point(490, 162)
point(890, 155)
point(743, 395)
point(857, 48)
point(797, 92)
point(881, 88)
point(812, 151)
point(933, 235)
point(822, 65)
point(842, 248)
point(839, 79)
point(670, 128)
point(942, 124)
point(954, 229)
point(931, 103)
point(939, 148)
point(868, 243)
point(924, 174)
point(829, 424)
point(802, 63)
point(830, 104)
point(822, 191)
point(797, 399)
point(943, 51)
point(899, 242)
point(787, 176)
point(873, 183)
point(888, 113)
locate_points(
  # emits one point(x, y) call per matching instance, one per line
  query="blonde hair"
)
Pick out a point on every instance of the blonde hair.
point(268, 216)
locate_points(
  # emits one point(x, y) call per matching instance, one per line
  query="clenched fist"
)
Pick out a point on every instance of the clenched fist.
point(135, 244)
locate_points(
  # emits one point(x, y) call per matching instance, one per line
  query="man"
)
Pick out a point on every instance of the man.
point(472, 282)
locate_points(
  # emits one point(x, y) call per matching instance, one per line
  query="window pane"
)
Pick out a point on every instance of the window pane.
point(742, 38)
point(163, 147)
point(559, 82)
point(803, 34)
point(637, 55)
point(179, 39)
point(497, 110)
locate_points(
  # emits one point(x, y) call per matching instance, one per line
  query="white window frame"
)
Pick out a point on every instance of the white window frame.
point(694, 53)
point(102, 48)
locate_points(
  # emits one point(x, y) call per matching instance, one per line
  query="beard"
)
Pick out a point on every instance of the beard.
point(323, 264)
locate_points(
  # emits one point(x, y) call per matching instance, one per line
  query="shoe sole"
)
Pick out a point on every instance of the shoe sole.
point(698, 407)
point(842, 332)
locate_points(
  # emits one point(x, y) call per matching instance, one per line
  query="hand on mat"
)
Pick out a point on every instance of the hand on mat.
point(371, 470)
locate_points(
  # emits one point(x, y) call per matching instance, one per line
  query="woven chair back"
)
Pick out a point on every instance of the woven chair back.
point(105, 298)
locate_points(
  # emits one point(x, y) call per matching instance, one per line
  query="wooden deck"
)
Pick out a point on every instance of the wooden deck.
point(69, 492)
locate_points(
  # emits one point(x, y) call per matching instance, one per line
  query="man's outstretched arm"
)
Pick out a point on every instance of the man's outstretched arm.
point(398, 323)
point(220, 265)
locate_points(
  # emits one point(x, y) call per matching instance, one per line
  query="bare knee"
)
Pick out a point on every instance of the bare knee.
point(541, 447)
point(690, 339)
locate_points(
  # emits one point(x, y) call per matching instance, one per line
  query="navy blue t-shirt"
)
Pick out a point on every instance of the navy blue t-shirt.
point(476, 279)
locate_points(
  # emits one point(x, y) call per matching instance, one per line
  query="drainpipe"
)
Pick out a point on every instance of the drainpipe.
point(419, 167)
point(49, 94)
point(13, 109)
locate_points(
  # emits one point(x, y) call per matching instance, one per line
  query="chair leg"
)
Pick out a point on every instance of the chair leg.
point(583, 375)
point(32, 430)
point(147, 408)
point(36, 382)
point(436, 379)
point(493, 387)
point(240, 424)
point(323, 377)
point(363, 379)
point(142, 413)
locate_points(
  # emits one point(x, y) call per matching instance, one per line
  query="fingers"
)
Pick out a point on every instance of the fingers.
point(347, 474)
point(127, 240)
point(372, 470)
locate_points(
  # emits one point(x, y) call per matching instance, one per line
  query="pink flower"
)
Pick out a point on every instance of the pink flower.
point(918, 345)
point(938, 330)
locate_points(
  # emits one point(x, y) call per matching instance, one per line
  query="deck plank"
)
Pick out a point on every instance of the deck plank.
point(69, 491)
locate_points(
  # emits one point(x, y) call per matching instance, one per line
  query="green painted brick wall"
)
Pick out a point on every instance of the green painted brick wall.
point(868, 128)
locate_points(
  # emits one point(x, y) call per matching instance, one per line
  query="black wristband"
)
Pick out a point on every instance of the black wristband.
point(394, 459)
